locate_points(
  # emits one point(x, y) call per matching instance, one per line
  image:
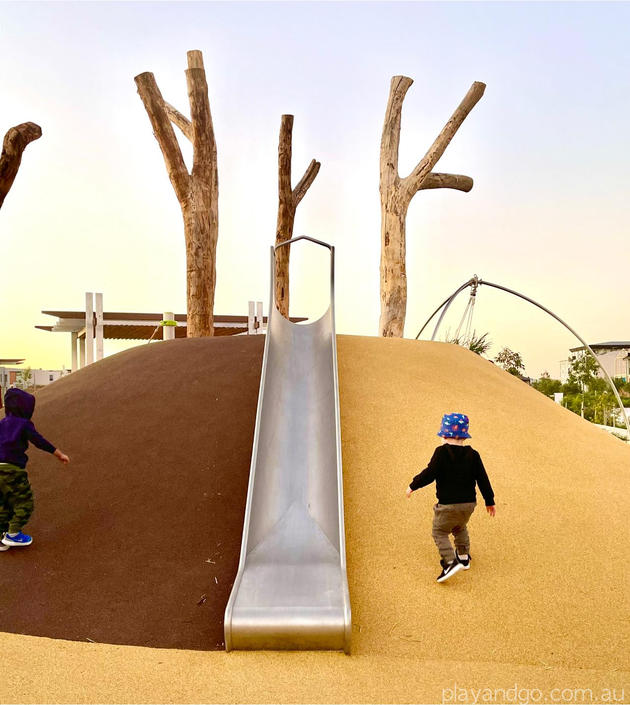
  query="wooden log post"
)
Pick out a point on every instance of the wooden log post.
point(15, 142)
point(288, 200)
point(197, 192)
point(397, 192)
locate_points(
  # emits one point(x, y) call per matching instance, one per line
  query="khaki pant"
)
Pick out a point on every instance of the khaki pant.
point(452, 519)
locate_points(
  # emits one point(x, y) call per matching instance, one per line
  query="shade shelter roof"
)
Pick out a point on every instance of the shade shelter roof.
point(141, 326)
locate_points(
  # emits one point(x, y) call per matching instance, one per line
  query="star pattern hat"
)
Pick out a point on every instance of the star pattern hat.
point(454, 426)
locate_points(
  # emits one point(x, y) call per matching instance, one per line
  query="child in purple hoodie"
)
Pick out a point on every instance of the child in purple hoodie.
point(16, 496)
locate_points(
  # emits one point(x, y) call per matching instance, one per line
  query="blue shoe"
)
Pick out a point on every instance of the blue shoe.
point(19, 539)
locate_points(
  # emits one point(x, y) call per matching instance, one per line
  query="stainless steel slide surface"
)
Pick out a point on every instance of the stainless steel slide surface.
point(291, 589)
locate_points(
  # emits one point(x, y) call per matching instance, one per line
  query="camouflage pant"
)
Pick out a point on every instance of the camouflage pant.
point(16, 498)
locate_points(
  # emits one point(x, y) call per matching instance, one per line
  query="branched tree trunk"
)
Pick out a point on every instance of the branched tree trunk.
point(397, 192)
point(288, 200)
point(198, 192)
point(15, 142)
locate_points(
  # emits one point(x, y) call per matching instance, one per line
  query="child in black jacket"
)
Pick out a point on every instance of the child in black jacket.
point(456, 469)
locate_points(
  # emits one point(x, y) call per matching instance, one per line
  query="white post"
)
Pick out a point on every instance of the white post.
point(82, 351)
point(168, 325)
point(89, 328)
point(259, 317)
point(73, 337)
point(251, 324)
point(98, 299)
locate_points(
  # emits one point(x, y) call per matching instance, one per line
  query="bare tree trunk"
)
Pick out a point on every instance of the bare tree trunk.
point(197, 193)
point(397, 192)
point(15, 142)
point(288, 200)
point(393, 267)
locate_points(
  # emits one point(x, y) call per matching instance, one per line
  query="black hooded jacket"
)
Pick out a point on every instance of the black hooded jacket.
point(456, 470)
point(17, 429)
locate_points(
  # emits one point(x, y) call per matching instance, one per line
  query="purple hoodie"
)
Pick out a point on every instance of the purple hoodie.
point(17, 429)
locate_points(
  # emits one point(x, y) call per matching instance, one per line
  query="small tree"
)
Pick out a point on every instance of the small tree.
point(546, 385)
point(25, 377)
point(583, 370)
point(622, 387)
point(605, 406)
point(510, 361)
point(583, 377)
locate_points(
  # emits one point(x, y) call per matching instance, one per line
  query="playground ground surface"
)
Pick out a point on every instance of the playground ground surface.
point(541, 615)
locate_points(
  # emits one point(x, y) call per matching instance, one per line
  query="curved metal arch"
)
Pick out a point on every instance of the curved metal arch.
point(448, 301)
point(479, 282)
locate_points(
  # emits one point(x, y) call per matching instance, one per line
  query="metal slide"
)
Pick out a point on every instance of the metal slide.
point(291, 589)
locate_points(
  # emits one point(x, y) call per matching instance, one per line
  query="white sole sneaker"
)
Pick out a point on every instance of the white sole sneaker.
point(455, 569)
point(8, 542)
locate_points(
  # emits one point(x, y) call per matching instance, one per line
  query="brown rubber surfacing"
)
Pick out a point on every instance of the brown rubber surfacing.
point(137, 540)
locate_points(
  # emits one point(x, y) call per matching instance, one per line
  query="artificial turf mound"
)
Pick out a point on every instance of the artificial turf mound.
point(543, 604)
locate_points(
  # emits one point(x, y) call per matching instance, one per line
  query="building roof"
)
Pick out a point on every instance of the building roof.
point(11, 360)
point(141, 326)
point(611, 344)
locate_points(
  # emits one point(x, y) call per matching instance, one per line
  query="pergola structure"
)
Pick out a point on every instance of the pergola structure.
point(89, 328)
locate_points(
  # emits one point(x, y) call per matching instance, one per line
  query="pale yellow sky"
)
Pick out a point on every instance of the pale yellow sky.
point(92, 208)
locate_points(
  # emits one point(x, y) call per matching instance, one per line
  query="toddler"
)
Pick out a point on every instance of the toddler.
point(456, 469)
point(16, 496)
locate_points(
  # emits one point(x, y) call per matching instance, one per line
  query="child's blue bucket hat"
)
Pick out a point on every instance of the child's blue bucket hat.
point(454, 426)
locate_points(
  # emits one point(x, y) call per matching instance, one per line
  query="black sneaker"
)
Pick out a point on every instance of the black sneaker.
point(464, 561)
point(448, 570)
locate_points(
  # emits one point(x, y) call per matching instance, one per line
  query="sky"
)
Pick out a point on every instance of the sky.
point(92, 208)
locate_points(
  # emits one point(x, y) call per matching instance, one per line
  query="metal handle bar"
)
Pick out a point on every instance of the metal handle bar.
point(288, 242)
point(304, 237)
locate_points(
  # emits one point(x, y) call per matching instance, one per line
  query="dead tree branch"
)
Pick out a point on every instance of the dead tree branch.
point(15, 142)
point(452, 181)
point(180, 120)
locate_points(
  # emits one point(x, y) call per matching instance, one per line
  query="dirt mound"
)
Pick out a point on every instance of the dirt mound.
point(137, 540)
